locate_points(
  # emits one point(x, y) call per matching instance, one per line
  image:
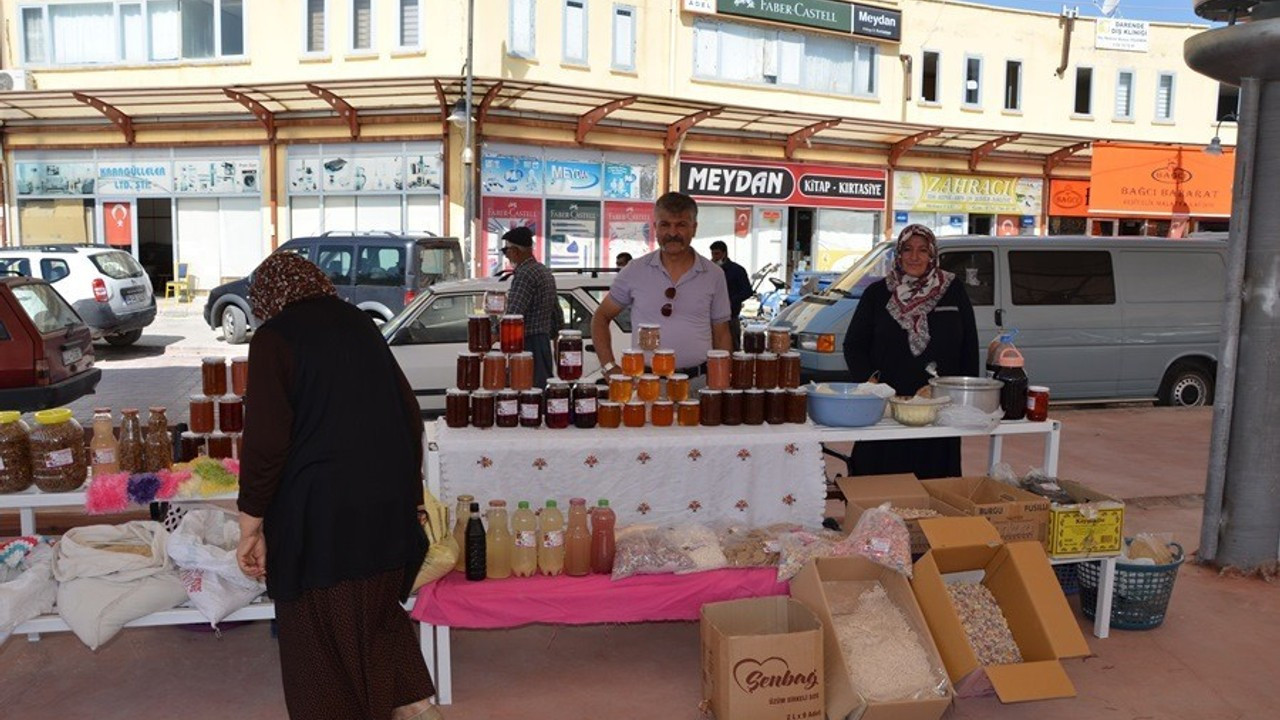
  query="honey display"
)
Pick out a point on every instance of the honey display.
point(633, 414)
point(609, 414)
point(15, 452)
point(620, 388)
point(59, 457)
point(662, 413)
point(778, 340)
point(753, 341)
point(493, 374)
point(585, 405)
point(632, 362)
point(457, 408)
point(719, 369)
point(231, 414)
point(479, 333)
point(556, 414)
point(753, 407)
point(159, 444)
point(191, 445)
point(468, 371)
point(200, 410)
point(511, 333)
point(507, 409)
point(531, 408)
point(520, 370)
point(220, 446)
point(766, 371)
point(240, 376)
point(483, 410)
point(744, 370)
point(797, 406)
point(648, 388)
point(664, 362)
point(213, 376)
point(711, 406)
point(649, 337)
point(789, 370)
point(688, 413)
point(731, 412)
point(775, 406)
point(678, 387)
point(569, 355)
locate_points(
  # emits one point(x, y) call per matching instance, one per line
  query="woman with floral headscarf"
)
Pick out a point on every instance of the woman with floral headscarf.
point(915, 316)
point(330, 483)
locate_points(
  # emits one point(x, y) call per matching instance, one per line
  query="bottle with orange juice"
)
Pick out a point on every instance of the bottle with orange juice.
point(577, 540)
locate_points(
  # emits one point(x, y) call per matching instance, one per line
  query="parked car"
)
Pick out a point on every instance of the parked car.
point(428, 335)
point(46, 350)
point(1097, 318)
point(107, 287)
point(378, 272)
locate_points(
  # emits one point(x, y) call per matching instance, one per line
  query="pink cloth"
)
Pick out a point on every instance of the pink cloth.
point(454, 602)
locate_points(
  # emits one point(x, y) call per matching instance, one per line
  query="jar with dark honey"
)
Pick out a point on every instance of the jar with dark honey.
point(213, 376)
point(585, 405)
point(753, 339)
point(508, 409)
point(569, 355)
point(483, 410)
point(744, 370)
point(789, 370)
point(240, 375)
point(531, 408)
point(479, 333)
point(775, 406)
point(469, 370)
point(511, 333)
point(711, 406)
point(731, 412)
point(231, 414)
point(766, 371)
point(753, 407)
point(200, 409)
point(457, 408)
point(556, 414)
point(797, 406)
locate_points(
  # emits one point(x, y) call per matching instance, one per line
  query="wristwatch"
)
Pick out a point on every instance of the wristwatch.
point(606, 370)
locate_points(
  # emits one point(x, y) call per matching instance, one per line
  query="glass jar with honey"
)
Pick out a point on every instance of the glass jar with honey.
point(688, 413)
point(664, 362)
point(620, 388)
point(678, 387)
point(719, 369)
point(712, 406)
point(633, 414)
point(632, 362)
point(648, 387)
point(662, 413)
point(609, 414)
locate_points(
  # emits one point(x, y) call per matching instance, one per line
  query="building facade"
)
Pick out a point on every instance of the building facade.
point(208, 132)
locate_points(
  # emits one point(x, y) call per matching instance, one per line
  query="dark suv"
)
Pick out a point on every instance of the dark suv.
point(46, 350)
point(378, 272)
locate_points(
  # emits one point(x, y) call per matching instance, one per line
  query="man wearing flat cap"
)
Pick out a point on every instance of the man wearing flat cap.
point(533, 295)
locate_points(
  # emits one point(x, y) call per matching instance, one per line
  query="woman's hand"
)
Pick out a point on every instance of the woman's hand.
point(251, 553)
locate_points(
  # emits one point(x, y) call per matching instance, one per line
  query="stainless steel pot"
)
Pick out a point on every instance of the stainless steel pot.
point(980, 393)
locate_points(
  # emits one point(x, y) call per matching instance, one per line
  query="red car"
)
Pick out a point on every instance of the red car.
point(46, 350)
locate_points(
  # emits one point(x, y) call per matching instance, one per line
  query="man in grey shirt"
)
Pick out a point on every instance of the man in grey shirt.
point(673, 287)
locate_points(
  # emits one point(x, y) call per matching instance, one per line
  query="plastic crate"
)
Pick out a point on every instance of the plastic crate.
point(1142, 592)
point(1068, 578)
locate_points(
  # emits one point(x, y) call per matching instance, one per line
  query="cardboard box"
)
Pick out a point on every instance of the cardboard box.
point(865, 492)
point(1018, 574)
point(762, 660)
point(1016, 513)
point(1092, 526)
point(843, 699)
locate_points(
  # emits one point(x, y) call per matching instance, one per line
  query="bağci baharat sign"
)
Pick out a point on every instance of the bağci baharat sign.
point(783, 183)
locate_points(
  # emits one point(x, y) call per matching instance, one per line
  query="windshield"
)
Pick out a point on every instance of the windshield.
point(437, 264)
point(117, 265)
point(874, 265)
point(46, 308)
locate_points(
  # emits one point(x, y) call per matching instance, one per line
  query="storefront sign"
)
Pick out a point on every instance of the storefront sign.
point(153, 178)
point(200, 176)
point(1069, 198)
point(572, 229)
point(1120, 34)
point(702, 7)
point(841, 17)
point(572, 178)
point(942, 192)
point(877, 22)
point(790, 183)
point(630, 181)
point(500, 214)
point(1160, 181)
point(37, 178)
point(511, 175)
point(628, 227)
point(216, 176)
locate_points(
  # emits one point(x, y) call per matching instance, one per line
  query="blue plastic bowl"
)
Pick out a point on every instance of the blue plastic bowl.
point(841, 405)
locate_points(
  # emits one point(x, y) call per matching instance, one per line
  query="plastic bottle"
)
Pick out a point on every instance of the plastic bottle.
point(524, 531)
point(498, 542)
point(998, 345)
point(158, 449)
point(103, 447)
point(1013, 396)
point(475, 544)
point(551, 548)
point(130, 452)
point(603, 521)
point(460, 516)
point(577, 540)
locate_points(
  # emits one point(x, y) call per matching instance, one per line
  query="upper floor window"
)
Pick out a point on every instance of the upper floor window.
point(1228, 102)
point(575, 32)
point(624, 37)
point(973, 81)
point(1124, 95)
point(314, 14)
point(1083, 104)
point(521, 34)
point(409, 19)
point(361, 25)
point(1164, 97)
point(1013, 85)
point(929, 77)
point(764, 55)
point(131, 31)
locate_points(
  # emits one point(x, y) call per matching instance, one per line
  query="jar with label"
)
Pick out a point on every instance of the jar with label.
point(556, 414)
point(507, 414)
point(789, 370)
point(719, 369)
point(531, 408)
point(103, 446)
point(221, 446)
point(633, 414)
point(59, 457)
point(662, 413)
point(511, 333)
point(632, 362)
point(731, 412)
point(231, 414)
point(569, 355)
point(797, 406)
point(775, 406)
point(240, 375)
point(585, 405)
point(689, 413)
point(130, 450)
point(191, 445)
point(753, 338)
point(457, 408)
point(520, 370)
point(494, 373)
point(483, 410)
point(649, 337)
point(753, 407)
point(495, 302)
point(479, 333)
point(744, 370)
point(15, 452)
point(468, 371)
point(213, 375)
point(711, 407)
point(678, 387)
point(1037, 403)
point(664, 362)
point(159, 444)
point(778, 340)
point(766, 371)
point(608, 414)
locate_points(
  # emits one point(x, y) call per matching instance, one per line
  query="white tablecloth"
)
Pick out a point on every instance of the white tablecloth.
point(748, 475)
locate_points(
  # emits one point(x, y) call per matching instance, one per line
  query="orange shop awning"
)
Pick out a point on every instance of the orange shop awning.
point(1157, 181)
point(1069, 198)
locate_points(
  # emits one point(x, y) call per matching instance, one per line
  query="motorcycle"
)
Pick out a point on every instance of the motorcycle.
point(755, 308)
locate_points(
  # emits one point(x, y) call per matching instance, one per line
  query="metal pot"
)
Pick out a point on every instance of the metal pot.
point(980, 393)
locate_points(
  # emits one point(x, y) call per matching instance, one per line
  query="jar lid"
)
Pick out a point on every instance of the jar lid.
point(633, 351)
point(798, 391)
point(469, 354)
point(690, 403)
point(754, 391)
point(158, 409)
point(663, 402)
point(717, 354)
point(495, 353)
point(498, 503)
point(776, 391)
point(677, 377)
point(479, 316)
point(240, 359)
point(482, 394)
point(779, 330)
point(188, 435)
point(649, 377)
point(200, 398)
point(790, 354)
point(756, 327)
point(512, 317)
point(633, 403)
point(8, 416)
point(56, 416)
point(708, 391)
point(129, 411)
point(577, 501)
point(557, 382)
point(767, 356)
point(522, 354)
point(610, 403)
point(508, 393)
point(523, 505)
point(620, 377)
point(664, 351)
point(650, 326)
point(735, 391)
point(101, 410)
point(532, 391)
point(211, 360)
point(1039, 388)
point(228, 399)
point(743, 355)
point(570, 334)
point(456, 392)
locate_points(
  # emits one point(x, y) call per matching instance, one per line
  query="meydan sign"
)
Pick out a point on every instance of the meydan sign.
point(843, 17)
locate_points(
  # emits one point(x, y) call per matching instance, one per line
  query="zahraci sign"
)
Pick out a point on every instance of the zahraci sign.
point(789, 183)
point(842, 17)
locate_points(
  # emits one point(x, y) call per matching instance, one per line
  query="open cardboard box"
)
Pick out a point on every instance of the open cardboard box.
point(1018, 574)
point(761, 660)
point(843, 699)
point(1016, 513)
point(905, 491)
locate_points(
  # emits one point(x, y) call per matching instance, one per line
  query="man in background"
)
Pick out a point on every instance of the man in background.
point(533, 295)
point(622, 260)
point(739, 284)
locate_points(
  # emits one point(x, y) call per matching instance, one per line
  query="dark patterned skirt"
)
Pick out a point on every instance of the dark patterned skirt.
point(348, 652)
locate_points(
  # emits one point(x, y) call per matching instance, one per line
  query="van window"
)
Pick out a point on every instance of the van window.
point(976, 271)
point(1161, 276)
point(1061, 277)
point(380, 265)
point(4, 331)
point(874, 265)
point(116, 265)
point(335, 261)
point(15, 266)
point(437, 264)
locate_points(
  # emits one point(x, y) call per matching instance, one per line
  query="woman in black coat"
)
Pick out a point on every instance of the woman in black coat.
point(915, 316)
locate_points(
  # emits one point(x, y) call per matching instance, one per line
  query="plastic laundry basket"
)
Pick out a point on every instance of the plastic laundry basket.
point(1141, 595)
point(1068, 577)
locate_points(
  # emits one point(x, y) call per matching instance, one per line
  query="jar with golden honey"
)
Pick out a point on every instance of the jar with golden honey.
point(688, 413)
point(662, 413)
point(664, 362)
point(609, 414)
point(520, 370)
point(678, 387)
point(648, 387)
point(633, 414)
point(511, 333)
point(494, 371)
point(719, 370)
point(632, 362)
point(620, 388)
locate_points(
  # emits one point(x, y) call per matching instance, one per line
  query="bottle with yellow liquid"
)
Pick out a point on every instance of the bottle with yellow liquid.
point(577, 540)
point(524, 532)
point(498, 542)
point(551, 540)
point(103, 446)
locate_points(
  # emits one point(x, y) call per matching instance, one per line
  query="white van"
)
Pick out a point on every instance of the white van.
point(1097, 318)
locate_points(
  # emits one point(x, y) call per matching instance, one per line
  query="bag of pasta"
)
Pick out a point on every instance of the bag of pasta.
point(881, 536)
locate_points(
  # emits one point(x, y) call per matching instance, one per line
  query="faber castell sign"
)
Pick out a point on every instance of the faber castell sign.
point(842, 17)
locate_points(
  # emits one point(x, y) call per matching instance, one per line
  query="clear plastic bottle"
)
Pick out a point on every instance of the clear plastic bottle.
point(130, 451)
point(603, 521)
point(497, 543)
point(577, 540)
point(475, 546)
point(551, 547)
point(460, 516)
point(103, 446)
point(524, 531)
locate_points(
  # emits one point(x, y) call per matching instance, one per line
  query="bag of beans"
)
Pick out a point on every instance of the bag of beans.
point(881, 536)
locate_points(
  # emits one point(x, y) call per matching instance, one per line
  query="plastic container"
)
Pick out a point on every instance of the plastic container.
point(551, 540)
point(131, 453)
point(603, 521)
point(498, 543)
point(1141, 596)
point(917, 411)
point(842, 405)
point(159, 443)
point(524, 540)
point(1013, 396)
point(59, 456)
point(577, 540)
point(15, 453)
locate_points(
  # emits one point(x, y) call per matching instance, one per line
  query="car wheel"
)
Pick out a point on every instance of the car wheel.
point(124, 339)
point(1186, 385)
point(234, 324)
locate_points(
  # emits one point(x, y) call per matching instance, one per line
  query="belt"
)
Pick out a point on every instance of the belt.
point(694, 371)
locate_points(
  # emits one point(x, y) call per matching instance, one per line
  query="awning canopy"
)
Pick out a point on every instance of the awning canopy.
point(354, 103)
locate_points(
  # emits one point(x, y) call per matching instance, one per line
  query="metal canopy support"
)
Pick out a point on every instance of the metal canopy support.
point(340, 106)
point(977, 154)
point(901, 147)
point(118, 118)
point(804, 133)
point(265, 116)
point(485, 102)
point(677, 129)
point(444, 107)
point(1057, 157)
point(589, 119)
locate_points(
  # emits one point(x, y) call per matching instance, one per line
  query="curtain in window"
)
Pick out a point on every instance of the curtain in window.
point(706, 48)
point(624, 38)
point(315, 26)
point(828, 64)
point(232, 12)
point(361, 24)
point(197, 29)
point(33, 35)
point(408, 23)
point(522, 27)
point(133, 34)
point(864, 70)
point(742, 52)
point(1124, 95)
point(163, 29)
point(77, 32)
point(1164, 98)
point(575, 31)
point(790, 58)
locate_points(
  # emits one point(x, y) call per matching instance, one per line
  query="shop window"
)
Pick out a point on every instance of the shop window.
point(972, 81)
point(575, 32)
point(335, 261)
point(521, 34)
point(976, 271)
point(56, 222)
point(929, 77)
point(1164, 97)
point(130, 31)
point(380, 266)
point(763, 55)
point(624, 37)
point(410, 25)
point(1061, 277)
point(1124, 95)
point(313, 26)
point(1132, 228)
point(1068, 226)
point(33, 36)
point(1228, 102)
point(1084, 92)
point(1013, 85)
point(361, 25)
